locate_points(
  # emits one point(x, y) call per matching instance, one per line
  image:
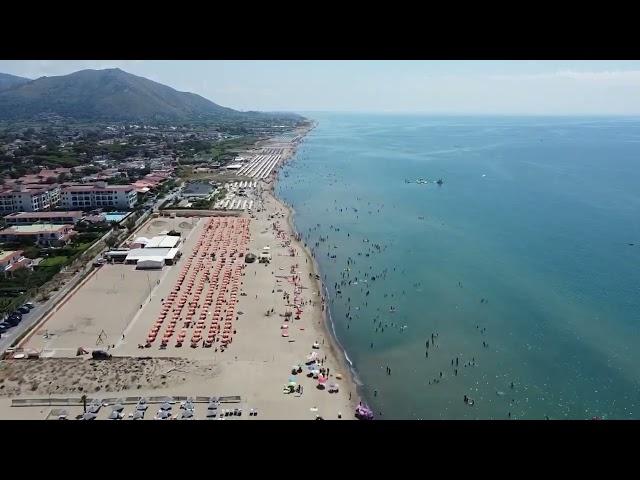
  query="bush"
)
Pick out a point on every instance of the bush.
point(85, 227)
point(32, 252)
point(85, 237)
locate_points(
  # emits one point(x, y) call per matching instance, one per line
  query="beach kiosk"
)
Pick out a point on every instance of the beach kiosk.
point(265, 255)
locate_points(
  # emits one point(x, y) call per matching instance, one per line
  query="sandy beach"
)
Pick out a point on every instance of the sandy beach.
point(119, 307)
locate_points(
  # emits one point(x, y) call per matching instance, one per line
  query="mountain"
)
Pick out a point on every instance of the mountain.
point(8, 81)
point(110, 94)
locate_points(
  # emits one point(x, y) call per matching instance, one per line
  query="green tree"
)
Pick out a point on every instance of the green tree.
point(111, 240)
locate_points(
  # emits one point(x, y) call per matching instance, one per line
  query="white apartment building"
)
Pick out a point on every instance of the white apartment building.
point(98, 195)
point(29, 198)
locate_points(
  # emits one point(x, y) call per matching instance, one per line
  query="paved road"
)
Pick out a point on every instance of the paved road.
point(41, 309)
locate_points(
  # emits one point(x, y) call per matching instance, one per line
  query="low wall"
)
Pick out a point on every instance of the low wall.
point(200, 213)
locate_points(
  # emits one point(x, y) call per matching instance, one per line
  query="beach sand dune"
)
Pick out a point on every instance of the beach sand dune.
point(67, 376)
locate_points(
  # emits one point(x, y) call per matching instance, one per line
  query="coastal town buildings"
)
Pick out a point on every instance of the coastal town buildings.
point(47, 235)
point(152, 180)
point(198, 190)
point(29, 218)
point(12, 260)
point(29, 198)
point(99, 194)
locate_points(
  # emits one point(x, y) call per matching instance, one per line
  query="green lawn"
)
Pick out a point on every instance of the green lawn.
point(80, 247)
point(53, 261)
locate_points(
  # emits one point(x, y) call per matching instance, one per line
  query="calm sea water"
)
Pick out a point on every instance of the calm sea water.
point(520, 262)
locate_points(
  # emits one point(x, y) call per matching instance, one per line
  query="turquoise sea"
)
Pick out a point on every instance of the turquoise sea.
point(519, 264)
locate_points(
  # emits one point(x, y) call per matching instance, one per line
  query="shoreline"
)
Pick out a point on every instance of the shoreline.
point(328, 324)
point(335, 347)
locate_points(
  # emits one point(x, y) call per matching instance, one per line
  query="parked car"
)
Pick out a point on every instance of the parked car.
point(16, 314)
point(23, 310)
point(13, 321)
point(29, 305)
point(99, 262)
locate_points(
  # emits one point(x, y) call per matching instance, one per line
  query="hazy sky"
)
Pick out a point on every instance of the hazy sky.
point(454, 87)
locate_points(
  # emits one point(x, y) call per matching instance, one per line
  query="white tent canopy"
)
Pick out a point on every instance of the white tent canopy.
point(163, 241)
point(166, 255)
point(151, 262)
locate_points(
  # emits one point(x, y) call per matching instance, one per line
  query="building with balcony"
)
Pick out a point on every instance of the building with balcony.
point(98, 195)
point(29, 198)
point(57, 218)
point(45, 235)
point(12, 260)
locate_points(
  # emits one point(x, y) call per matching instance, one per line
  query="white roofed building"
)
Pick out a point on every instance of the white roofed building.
point(163, 241)
point(152, 256)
